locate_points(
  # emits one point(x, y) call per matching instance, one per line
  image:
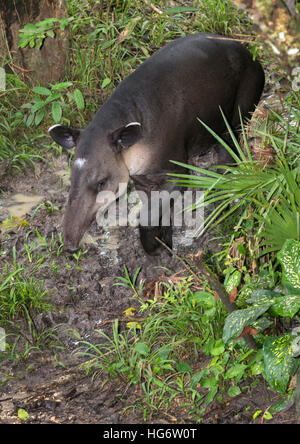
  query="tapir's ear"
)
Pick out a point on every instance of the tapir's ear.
point(126, 136)
point(64, 136)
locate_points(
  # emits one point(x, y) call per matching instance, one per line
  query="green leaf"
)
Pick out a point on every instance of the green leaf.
point(183, 367)
point(51, 34)
point(39, 117)
point(234, 391)
point(105, 83)
point(196, 378)
point(235, 371)
point(23, 415)
point(286, 305)
point(179, 10)
point(241, 249)
point(279, 364)
point(79, 100)
point(210, 382)
point(37, 106)
point(257, 413)
point(289, 257)
point(218, 348)
point(232, 281)
point(239, 319)
point(142, 348)
point(56, 112)
point(267, 415)
point(61, 85)
point(284, 404)
point(41, 90)
point(256, 368)
point(212, 393)
point(29, 120)
point(29, 28)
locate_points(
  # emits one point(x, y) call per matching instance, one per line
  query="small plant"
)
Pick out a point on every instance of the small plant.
point(279, 353)
point(34, 34)
point(54, 97)
point(20, 295)
point(46, 205)
point(130, 282)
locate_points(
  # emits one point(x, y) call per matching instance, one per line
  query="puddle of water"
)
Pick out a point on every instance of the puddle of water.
point(107, 243)
point(21, 204)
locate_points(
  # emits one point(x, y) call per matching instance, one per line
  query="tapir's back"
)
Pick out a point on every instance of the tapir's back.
point(193, 74)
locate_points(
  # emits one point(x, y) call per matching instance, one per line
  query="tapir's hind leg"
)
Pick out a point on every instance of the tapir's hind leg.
point(247, 97)
point(248, 94)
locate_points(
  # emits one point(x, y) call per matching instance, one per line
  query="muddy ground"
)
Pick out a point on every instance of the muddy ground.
point(50, 385)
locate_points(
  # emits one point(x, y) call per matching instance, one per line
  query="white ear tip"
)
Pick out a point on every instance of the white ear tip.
point(132, 124)
point(53, 126)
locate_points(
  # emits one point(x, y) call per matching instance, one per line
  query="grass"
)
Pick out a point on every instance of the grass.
point(160, 353)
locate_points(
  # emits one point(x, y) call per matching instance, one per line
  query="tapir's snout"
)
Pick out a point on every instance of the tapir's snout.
point(78, 217)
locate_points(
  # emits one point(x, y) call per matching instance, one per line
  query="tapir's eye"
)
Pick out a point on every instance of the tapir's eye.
point(101, 184)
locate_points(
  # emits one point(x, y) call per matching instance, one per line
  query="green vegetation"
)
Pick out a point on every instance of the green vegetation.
point(182, 331)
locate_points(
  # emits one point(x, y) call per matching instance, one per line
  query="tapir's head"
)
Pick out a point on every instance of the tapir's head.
point(99, 165)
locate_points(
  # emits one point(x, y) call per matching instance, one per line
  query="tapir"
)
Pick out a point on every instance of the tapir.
point(152, 117)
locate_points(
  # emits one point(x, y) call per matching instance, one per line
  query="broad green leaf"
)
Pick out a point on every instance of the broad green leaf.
point(41, 90)
point(29, 27)
point(212, 393)
point(284, 404)
point(256, 368)
point(79, 100)
point(235, 371)
point(234, 391)
point(56, 112)
point(39, 117)
point(196, 378)
point(279, 364)
point(239, 319)
point(286, 305)
point(61, 85)
point(203, 298)
point(142, 348)
point(40, 104)
point(29, 120)
point(289, 257)
point(105, 83)
point(183, 367)
point(218, 348)
point(232, 281)
point(241, 249)
point(262, 297)
point(210, 382)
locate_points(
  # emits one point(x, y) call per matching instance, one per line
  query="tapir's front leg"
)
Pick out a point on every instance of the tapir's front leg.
point(156, 213)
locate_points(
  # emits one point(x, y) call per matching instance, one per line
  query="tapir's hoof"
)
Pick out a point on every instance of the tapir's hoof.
point(69, 248)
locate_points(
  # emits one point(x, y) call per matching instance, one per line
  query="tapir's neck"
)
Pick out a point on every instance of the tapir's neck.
point(115, 113)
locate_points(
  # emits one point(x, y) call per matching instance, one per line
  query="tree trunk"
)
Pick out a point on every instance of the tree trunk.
point(43, 65)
